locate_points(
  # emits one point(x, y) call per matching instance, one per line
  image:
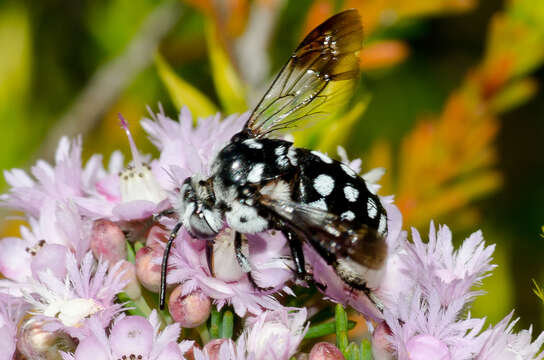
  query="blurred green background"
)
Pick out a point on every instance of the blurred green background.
point(449, 101)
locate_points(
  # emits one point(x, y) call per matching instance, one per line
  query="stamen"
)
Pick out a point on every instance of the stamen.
point(133, 149)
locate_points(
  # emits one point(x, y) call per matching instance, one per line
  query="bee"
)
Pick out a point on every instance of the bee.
point(261, 182)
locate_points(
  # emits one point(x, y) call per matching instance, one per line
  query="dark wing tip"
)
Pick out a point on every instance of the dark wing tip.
point(345, 28)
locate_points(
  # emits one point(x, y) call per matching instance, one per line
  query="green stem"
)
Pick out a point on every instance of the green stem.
point(325, 329)
point(228, 325)
point(131, 254)
point(204, 333)
point(341, 320)
point(215, 323)
point(366, 350)
point(353, 352)
point(142, 305)
point(135, 310)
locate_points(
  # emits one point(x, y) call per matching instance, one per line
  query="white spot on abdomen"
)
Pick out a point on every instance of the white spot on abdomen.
point(324, 184)
point(319, 204)
point(323, 157)
point(371, 208)
point(349, 171)
point(351, 193)
point(382, 224)
point(347, 215)
point(256, 173)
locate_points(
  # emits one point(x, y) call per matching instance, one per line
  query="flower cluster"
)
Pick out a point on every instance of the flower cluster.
point(81, 281)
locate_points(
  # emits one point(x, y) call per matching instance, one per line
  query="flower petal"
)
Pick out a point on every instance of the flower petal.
point(131, 335)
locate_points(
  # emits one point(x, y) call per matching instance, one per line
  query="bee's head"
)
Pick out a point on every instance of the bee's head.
point(197, 209)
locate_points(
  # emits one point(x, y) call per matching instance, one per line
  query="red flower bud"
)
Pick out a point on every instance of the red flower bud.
point(325, 351)
point(108, 241)
point(147, 271)
point(190, 310)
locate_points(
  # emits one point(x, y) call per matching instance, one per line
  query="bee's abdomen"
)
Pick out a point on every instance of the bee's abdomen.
point(330, 185)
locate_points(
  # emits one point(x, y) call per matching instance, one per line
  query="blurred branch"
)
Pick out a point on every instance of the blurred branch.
point(112, 78)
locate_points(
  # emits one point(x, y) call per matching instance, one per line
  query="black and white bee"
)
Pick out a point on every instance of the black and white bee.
point(260, 183)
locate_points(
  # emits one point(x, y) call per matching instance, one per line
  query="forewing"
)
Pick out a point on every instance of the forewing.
point(329, 233)
point(318, 78)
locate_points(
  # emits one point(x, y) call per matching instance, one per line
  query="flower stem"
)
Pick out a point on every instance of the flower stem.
point(142, 305)
point(215, 323)
point(228, 325)
point(353, 352)
point(366, 350)
point(341, 320)
point(204, 333)
point(325, 329)
point(131, 254)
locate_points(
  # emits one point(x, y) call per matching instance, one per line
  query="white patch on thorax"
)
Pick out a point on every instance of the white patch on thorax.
point(253, 144)
point(292, 156)
point(277, 190)
point(256, 173)
point(245, 219)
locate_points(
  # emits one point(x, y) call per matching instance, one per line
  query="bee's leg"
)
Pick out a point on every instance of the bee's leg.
point(295, 243)
point(243, 261)
point(209, 255)
point(164, 265)
point(167, 213)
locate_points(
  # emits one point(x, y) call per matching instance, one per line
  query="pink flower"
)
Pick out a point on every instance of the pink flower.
point(189, 267)
point(187, 149)
point(274, 335)
point(87, 290)
point(59, 224)
point(62, 182)
point(131, 337)
point(11, 311)
point(500, 343)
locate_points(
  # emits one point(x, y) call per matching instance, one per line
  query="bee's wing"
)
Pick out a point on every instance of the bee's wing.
point(331, 234)
point(320, 74)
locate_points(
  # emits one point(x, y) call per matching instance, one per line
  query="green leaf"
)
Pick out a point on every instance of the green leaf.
point(183, 93)
point(514, 95)
point(230, 88)
point(325, 329)
point(341, 320)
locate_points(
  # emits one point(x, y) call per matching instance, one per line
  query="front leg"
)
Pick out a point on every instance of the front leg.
point(243, 261)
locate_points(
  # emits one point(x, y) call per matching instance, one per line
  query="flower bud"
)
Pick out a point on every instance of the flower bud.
point(382, 349)
point(108, 241)
point(50, 256)
point(325, 351)
point(147, 271)
point(36, 343)
point(213, 348)
point(132, 289)
point(422, 347)
point(190, 310)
